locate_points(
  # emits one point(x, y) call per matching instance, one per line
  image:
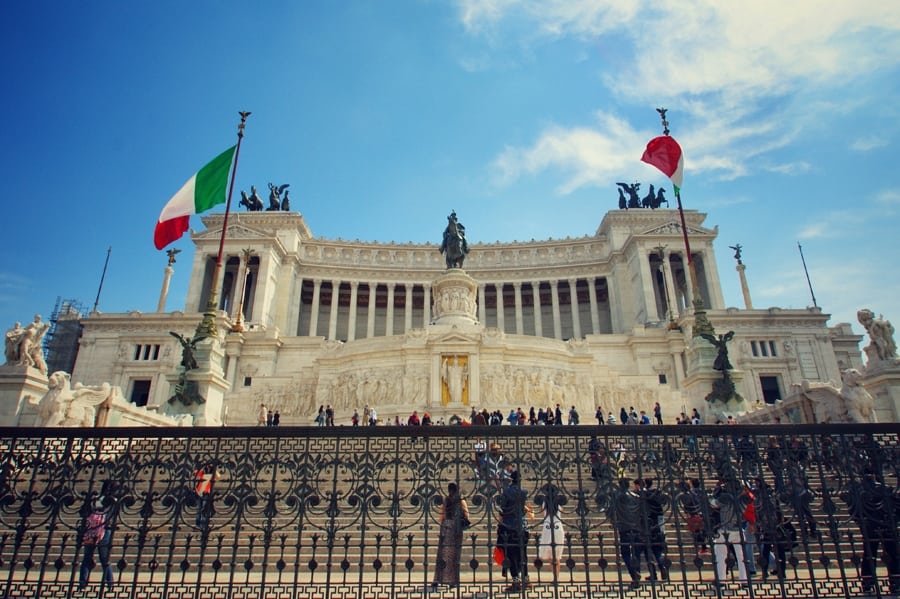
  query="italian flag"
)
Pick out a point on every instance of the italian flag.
point(664, 153)
point(202, 191)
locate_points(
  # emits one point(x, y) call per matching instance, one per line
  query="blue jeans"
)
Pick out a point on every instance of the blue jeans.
point(87, 562)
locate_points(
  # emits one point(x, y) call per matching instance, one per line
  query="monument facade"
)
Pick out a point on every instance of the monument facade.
point(581, 322)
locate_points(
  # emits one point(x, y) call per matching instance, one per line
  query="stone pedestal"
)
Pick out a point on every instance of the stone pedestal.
point(882, 381)
point(21, 388)
point(206, 382)
point(454, 299)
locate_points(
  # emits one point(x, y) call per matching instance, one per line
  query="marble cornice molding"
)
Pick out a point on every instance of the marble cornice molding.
point(269, 223)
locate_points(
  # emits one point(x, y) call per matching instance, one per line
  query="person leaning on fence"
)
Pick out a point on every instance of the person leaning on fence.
point(512, 534)
point(206, 478)
point(454, 518)
point(626, 515)
point(96, 538)
point(730, 505)
point(876, 509)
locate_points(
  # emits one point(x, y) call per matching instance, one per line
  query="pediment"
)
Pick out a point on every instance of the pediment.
point(674, 228)
point(456, 338)
point(236, 231)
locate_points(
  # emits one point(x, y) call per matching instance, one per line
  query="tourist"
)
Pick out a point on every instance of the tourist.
point(206, 478)
point(657, 413)
point(261, 415)
point(573, 416)
point(373, 417)
point(512, 534)
point(276, 418)
point(354, 420)
point(599, 416)
point(320, 417)
point(329, 416)
point(558, 415)
point(553, 535)
point(730, 505)
point(453, 519)
point(96, 538)
point(269, 418)
point(653, 503)
point(626, 515)
point(413, 419)
point(623, 416)
point(426, 419)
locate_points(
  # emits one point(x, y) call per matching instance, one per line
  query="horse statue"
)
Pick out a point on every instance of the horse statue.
point(632, 191)
point(649, 199)
point(660, 198)
point(251, 203)
point(286, 202)
point(454, 246)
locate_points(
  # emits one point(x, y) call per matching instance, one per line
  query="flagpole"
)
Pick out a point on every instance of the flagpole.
point(207, 326)
point(701, 322)
point(808, 281)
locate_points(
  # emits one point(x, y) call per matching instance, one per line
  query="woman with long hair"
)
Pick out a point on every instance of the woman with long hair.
point(453, 517)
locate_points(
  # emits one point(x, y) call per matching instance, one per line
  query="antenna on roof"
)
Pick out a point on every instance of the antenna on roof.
point(808, 282)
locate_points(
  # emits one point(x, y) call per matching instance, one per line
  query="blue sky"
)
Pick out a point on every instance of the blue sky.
point(519, 114)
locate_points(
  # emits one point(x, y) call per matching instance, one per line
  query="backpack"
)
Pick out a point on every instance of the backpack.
point(94, 528)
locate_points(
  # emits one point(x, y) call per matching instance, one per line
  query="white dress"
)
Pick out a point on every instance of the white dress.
point(553, 539)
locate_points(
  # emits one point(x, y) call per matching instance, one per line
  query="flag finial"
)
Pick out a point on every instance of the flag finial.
point(662, 114)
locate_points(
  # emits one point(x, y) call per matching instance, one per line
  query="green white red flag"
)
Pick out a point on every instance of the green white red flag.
point(664, 153)
point(202, 191)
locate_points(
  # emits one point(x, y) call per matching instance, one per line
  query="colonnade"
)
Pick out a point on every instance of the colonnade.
point(558, 309)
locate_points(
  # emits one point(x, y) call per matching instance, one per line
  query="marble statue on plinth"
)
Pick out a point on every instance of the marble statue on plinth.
point(24, 344)
point(882, 347)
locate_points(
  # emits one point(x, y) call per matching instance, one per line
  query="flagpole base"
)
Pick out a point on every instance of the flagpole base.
point(207, 326)
point(702, 325)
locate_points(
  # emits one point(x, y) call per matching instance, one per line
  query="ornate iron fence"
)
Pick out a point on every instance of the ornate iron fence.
point(354, 512)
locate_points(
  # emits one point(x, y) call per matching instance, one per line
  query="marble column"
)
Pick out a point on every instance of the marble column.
point(651, 313)
point(745, 289)
point(351, 320)
point(370, 322)
point(595, 312)
point(536, 301)
point(501, 317)
point(164, 292)
point(314, 308)
point(408, 308)
point(573, 301)
point(557, 321)
point(671, 301)
point(517, 288)
point(389, 313)
point(482, 314)
point(332, 317)
point(426, 309)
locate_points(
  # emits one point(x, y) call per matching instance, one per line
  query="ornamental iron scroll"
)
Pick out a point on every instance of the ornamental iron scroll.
point(298, 512)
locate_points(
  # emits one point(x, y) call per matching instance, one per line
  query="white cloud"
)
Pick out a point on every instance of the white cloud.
point(865, 144)
point(735, 72)
point(888, 196)
point(586, 156)
point(791, 168)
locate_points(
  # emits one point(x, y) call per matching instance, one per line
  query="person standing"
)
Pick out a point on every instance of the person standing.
point(730, 505)
point(657, 413)
point(601, 419)
point(262, 415)
point(276, 418)
point(626, 515)
point(373, 417)
point(96, 538)
point(512, 535)
point(453, 519)
point(553, 533)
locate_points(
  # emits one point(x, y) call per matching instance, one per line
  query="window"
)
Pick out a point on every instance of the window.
point(140, 392)
point(247, 381)
point(146, 352)
point(764, 348)
point(662, 379)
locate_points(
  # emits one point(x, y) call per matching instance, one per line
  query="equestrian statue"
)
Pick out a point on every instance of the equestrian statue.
point(454, 246)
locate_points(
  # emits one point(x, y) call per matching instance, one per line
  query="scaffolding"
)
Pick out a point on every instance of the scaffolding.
point(62, 338)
